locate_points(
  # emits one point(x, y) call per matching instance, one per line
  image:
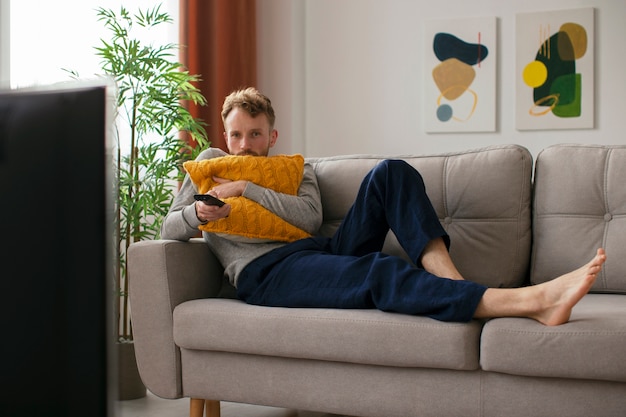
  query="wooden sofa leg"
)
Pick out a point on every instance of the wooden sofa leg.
point(196, 407)
point(212, 408)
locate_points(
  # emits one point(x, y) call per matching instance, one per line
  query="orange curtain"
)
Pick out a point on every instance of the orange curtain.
point(218, 39)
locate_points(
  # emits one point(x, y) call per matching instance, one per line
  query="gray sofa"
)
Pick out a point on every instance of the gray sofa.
point(508, 229)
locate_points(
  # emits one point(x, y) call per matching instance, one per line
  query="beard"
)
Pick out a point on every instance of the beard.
point(252, 153)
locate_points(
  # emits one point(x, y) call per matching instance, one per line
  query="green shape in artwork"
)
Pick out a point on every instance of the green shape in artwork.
point(569, 89)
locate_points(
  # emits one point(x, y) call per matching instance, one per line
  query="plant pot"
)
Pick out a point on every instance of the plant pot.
point(130, 386)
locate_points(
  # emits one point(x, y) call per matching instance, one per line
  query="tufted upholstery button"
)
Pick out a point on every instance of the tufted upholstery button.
point(447, 220)
point(608, 217)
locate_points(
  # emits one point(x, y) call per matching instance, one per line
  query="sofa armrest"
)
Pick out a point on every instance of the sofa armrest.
point(163, 274)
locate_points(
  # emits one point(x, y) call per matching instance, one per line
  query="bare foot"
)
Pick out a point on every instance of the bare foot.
point(559, 296)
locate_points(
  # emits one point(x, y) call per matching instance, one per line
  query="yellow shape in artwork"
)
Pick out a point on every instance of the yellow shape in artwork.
point(453, 78)
point(535, 74)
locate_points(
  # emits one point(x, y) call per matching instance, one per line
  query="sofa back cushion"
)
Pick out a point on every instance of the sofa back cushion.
point(482, 198)
point(579, 206)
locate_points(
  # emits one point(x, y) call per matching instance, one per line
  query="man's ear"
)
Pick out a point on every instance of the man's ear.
point(226, 142)
point(273, 137)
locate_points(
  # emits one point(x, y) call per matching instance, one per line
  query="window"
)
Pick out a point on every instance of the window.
point(46, 37)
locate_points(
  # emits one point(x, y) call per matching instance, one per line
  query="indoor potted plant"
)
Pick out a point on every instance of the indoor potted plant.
point(153, 89)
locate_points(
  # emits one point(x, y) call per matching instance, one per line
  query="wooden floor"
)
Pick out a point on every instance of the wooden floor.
point(153, 406)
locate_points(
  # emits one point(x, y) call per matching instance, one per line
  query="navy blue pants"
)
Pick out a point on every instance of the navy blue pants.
point(349, 271)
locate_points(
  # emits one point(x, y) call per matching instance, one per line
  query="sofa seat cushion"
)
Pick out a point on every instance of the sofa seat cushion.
point(357, 336)
point(592, 345)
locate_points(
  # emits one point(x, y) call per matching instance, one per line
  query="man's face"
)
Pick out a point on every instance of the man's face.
point(247, 135)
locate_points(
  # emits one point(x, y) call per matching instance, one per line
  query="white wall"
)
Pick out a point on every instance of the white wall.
point(363, 75)
point(280, 63)
point(4, 43)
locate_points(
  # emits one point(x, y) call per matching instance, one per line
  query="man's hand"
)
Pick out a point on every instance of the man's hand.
point(224, 189)
point(207, 213)
point(228, 188)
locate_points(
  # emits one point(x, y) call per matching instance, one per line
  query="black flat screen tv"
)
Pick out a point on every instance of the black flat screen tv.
point(57, 238)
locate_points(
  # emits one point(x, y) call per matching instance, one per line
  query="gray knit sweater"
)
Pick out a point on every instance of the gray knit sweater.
point(235, 252)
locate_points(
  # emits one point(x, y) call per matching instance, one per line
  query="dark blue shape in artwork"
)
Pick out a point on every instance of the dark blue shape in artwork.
point(448, 46)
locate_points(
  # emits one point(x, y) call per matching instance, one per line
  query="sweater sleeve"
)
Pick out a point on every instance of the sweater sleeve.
point(303, 210)
point(181, 222)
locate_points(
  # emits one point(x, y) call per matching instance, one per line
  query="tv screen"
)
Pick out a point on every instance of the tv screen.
point(56, 227)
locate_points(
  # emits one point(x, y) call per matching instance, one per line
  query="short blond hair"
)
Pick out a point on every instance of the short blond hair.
point(250, 100)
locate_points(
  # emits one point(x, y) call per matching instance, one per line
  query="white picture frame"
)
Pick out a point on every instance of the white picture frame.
point(555, 69)
point(460, 75)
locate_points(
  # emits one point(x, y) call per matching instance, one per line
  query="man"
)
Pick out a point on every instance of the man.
point(348, 270)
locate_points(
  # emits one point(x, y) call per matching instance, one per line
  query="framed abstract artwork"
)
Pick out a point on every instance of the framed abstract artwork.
point(555, 69)
point(460, 75)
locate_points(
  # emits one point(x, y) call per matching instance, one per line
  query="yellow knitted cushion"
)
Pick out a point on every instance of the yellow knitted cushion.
point(281, 173)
